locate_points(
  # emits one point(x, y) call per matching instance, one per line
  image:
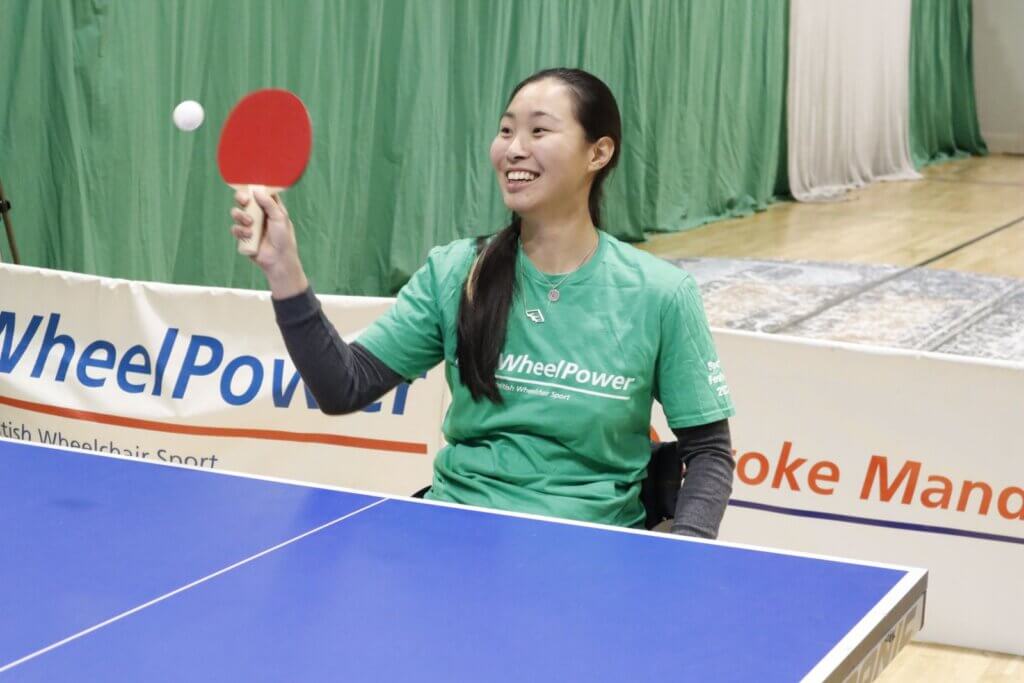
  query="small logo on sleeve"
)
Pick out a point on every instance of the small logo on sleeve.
point(716, 378)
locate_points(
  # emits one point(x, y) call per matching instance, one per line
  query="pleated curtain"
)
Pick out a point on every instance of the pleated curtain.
point(405, 97)
point(848, 104)
point(721, 101)
point(943, 112)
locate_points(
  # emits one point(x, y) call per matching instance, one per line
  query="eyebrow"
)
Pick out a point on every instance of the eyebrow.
point(533, 114)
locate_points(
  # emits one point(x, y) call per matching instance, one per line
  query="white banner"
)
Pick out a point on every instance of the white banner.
point(890, 456)
point(196, 376)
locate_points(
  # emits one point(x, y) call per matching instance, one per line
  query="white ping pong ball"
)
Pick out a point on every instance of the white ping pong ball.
point(188, 115)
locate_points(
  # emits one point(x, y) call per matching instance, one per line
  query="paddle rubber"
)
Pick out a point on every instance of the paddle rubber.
point(265, 144)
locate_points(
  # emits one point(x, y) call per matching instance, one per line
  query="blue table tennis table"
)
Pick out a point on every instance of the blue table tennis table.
point(117, 569)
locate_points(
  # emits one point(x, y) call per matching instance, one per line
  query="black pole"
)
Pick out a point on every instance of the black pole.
point(5, 212)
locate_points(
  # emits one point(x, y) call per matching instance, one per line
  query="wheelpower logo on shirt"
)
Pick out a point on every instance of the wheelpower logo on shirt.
point(540, 377)
point(563, 374)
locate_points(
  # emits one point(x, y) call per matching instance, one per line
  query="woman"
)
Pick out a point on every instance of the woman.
point(556, 337)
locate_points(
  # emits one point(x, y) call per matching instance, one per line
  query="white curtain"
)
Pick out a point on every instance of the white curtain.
point(848, 99)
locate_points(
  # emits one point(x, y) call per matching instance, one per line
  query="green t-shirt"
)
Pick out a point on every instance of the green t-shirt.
point(578, 377)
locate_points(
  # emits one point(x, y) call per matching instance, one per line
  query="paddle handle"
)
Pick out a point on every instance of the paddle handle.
point(249, 247)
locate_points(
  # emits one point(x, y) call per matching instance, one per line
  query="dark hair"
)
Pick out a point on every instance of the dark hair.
point(490, 285)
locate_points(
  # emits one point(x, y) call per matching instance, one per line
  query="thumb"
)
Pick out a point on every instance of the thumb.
point(267, 203)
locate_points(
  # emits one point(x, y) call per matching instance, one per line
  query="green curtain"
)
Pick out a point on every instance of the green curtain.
point(404, 96)
point(943, 115)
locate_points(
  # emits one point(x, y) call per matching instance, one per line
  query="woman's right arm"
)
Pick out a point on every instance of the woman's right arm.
point(342, 377)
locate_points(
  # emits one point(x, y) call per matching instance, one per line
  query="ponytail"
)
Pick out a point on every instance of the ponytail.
point(483, 312)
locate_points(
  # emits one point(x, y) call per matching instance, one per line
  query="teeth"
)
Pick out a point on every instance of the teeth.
point(521, 175)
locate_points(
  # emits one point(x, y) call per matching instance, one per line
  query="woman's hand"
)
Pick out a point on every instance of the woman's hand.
point(278, 253)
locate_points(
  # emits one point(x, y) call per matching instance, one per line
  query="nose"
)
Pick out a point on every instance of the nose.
point(515, 150)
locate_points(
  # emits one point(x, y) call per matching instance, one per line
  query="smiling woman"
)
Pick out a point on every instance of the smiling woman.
point(556, 336)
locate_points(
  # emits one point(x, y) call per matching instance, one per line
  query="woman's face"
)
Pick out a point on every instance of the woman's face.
point(543, 160)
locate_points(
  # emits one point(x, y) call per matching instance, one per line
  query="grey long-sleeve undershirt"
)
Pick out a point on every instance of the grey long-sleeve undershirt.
point(345, 377)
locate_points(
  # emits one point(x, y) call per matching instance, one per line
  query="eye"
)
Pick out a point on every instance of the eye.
point(505, 130)
point(539, 130)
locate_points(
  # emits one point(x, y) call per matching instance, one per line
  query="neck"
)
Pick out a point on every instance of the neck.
point(558, 244)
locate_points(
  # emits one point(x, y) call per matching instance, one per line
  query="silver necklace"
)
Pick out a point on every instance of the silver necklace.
point(553, 294)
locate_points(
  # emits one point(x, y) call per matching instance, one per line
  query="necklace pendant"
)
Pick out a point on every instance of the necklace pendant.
point(553, 295)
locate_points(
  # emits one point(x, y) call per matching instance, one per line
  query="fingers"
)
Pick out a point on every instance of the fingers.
point(241, 232)
point(242, 226)
point(242, 220)
point(241, 217)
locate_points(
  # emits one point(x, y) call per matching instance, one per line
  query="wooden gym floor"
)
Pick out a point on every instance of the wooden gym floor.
point(902, 223)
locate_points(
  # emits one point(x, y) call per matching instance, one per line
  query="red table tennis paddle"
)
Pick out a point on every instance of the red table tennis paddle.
point(265, 144)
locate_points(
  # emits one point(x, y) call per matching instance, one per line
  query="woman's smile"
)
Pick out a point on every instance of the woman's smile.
point(519, 179)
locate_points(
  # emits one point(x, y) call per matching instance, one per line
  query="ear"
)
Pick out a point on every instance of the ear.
point(601, 153)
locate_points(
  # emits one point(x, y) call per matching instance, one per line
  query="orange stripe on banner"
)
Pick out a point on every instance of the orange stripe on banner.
point(198, 430)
